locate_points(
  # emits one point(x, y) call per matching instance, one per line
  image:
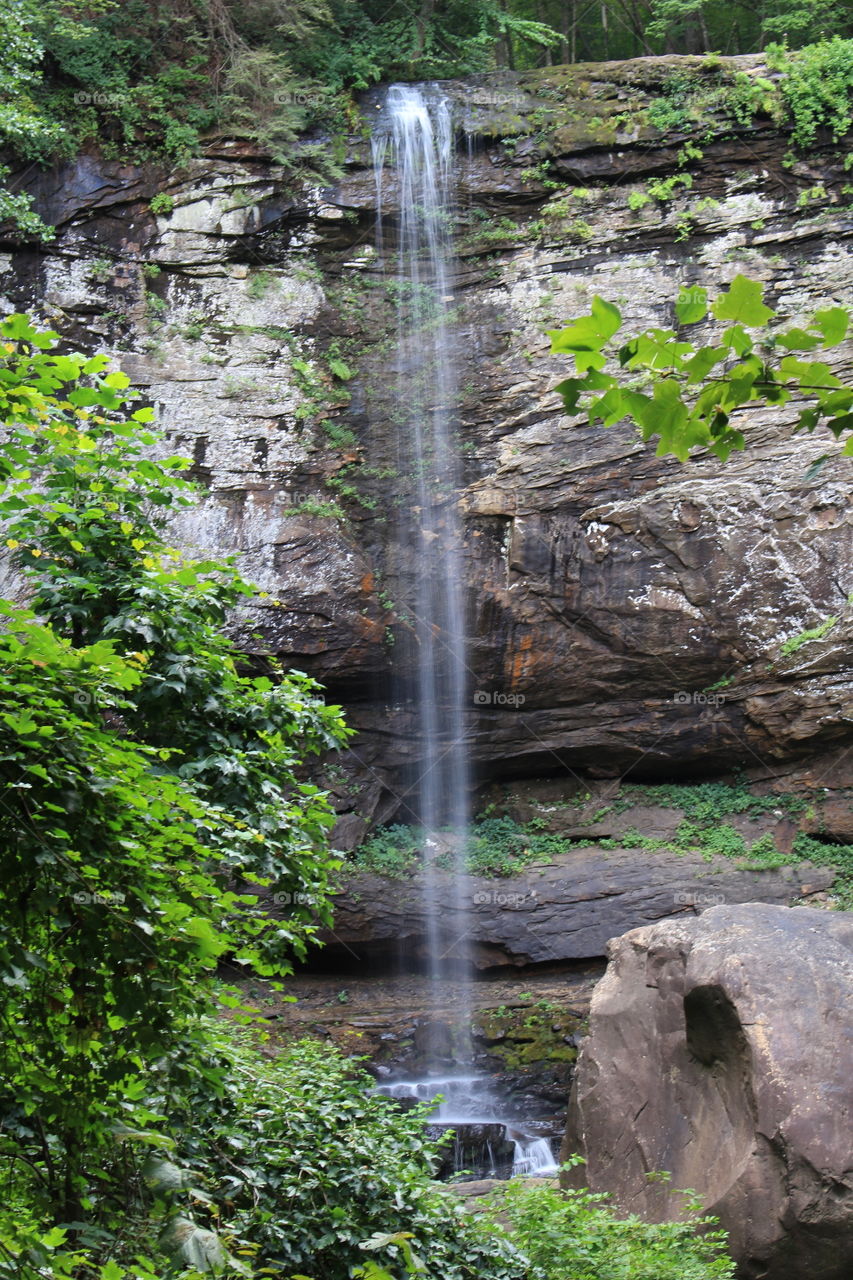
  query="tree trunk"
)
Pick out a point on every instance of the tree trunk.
point(422, 22)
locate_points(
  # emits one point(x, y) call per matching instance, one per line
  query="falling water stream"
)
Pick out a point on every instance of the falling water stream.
point(413, 152)
point(415, 133)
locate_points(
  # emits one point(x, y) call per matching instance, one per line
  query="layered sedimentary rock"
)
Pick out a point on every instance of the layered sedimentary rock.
point(567, 910)
point(719, 1052)
point(607, 589)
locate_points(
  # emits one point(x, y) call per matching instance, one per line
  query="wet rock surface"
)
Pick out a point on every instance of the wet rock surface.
point(523, 1030)
point(719, 1051)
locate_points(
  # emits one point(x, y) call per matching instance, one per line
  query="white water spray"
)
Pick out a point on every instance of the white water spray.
point(413, 165)
point(413, 150)
point(466, 1105)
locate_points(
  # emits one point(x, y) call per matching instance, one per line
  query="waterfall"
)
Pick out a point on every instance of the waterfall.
point(464, 1104)
point(413, 150)
point(413, 166)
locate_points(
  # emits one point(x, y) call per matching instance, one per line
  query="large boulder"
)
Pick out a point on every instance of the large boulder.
point(721, 1051)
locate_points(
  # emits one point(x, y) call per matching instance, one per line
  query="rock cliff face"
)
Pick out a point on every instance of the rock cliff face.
point(719, 1051)
point(606, 588)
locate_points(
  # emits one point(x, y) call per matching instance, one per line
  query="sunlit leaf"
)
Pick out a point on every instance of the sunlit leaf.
point(742, 303)
point(691, 305)
point(833, 323)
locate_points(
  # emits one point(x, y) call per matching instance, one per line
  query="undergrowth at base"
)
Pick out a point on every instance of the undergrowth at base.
point(497, 846)
point(578, 1234)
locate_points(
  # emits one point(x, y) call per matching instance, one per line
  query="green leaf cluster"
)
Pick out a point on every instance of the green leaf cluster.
point(578, 1234)
point(495, 846)
point(304, 1164)
point(817, 88)
point(687, 394)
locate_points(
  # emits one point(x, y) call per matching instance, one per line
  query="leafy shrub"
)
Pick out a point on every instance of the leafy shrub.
point(16, 210)
point(576, 1234)
point(713, 841)
point(764, 855)
point(497, 846)
point(817, 86)
point(303, 1164)
point(390, 851)
point(162, 202)
point(638, 200)
point(663, 189)
point(150, 788)
point(502, 846)
point(708, 802)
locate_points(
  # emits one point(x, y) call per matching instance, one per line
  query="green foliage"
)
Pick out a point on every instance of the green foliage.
point(17, 214)
point(154, 80)
point(151, 787)
point(813, 92)
point(267, 1165)
point(663, 189)
point(501, 846)
point(817, 86)
point(697, 390)
point(704, 829)
point(793, 643)
point(162, 202)
point(577, 1234)
point(390, 851)
point(497, 846)
point(316, 507)
point(303, 1164)
point(823, 853)
point(697, 100)
point(24, 127)
point(763, 855)
point(638, 200)
point(707, 803)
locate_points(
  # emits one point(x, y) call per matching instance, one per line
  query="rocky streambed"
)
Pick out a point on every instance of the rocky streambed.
point(523, 1031)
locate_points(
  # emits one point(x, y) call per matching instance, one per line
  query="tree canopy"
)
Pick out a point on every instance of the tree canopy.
point(152, 80)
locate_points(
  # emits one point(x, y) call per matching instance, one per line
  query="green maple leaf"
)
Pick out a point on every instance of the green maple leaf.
point(742, 304)
point(691, 305)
